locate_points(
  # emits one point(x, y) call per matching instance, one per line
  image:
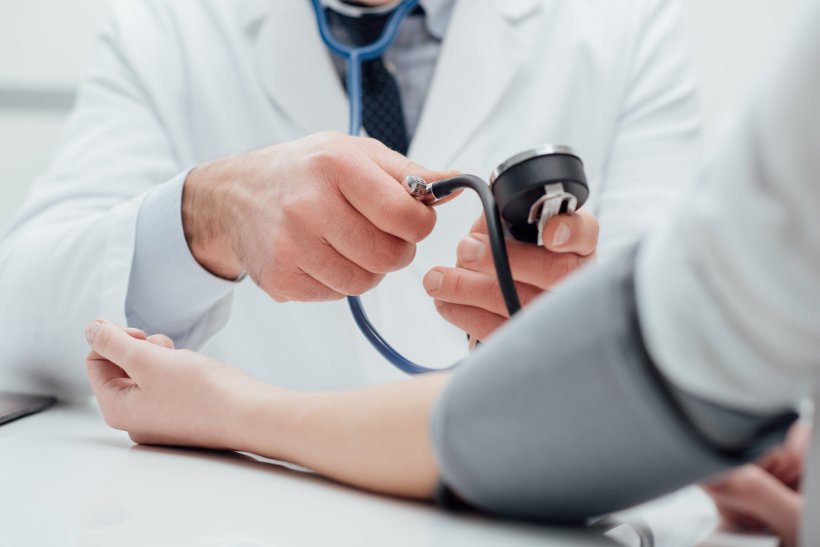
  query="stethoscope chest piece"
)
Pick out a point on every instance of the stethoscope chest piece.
point(533, 186)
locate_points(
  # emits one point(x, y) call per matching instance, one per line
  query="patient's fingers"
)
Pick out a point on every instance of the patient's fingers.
point(751, 492)
point(161, 340)
point(105, 376)
point(116, 345)
point(139, 334)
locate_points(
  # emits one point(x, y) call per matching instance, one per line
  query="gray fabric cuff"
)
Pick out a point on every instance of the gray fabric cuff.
point(563, 416)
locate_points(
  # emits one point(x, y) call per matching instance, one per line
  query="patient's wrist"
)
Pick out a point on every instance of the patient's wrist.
point(254, 422)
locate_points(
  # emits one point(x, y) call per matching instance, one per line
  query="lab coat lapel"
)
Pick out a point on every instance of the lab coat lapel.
point(481, 53)
point(296, 69)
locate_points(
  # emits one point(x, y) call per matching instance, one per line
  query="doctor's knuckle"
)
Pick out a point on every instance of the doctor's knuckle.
point(571, 262)
point(374, 143)
point(393, 256)
point(327, 141)
point(343, 277)
point(551, 268)
point(405, 255)
point(528, 293)
point(331, 164)
point(458, 285)
point(298, 208)
point(363, 282)
point(415, 221)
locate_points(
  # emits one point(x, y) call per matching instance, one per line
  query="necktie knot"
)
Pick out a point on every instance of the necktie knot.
point(364, 29)
point(382, 112)
point(358, 31)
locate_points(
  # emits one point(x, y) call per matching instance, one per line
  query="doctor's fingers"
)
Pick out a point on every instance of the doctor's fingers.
point(530, 264)
point(476, 322)
point(319, 275)
point(356, 239)
point(382, 200)
point(295, 285)
point(475, 289)
point(337, 273)
point(399, 166)
point(568, 233)
point(385, 204)
point(479, 226)
point(574, 233)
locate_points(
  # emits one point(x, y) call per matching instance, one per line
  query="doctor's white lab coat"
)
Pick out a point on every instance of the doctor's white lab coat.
point(176, 83)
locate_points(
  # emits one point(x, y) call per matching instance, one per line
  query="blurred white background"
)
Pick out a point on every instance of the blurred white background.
point(46, 44)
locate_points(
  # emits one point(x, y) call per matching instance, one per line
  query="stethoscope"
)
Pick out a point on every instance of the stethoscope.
point(525, 191)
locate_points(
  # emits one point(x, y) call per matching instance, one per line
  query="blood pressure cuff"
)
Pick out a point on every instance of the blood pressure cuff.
point(563, 416)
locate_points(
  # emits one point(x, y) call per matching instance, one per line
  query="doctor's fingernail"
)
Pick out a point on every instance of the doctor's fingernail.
point(470, 250)
point(91, 330)
point(433, 281)
point(562, 235)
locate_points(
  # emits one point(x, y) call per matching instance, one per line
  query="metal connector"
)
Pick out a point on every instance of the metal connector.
point(419, 189)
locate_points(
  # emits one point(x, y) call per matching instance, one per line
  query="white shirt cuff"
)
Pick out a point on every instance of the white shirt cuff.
point(169, 292)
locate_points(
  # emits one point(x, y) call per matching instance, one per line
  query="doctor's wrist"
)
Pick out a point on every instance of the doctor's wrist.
point(205, 222)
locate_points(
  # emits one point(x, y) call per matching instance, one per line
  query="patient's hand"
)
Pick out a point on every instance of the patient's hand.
point(766, 496)
point(468, 295)
point(375, 438)
point(161, 395)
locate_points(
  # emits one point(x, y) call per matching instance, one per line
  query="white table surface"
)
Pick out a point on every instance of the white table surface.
point(66, 479)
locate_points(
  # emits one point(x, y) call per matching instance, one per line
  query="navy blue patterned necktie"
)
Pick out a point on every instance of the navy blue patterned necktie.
point(382, 114)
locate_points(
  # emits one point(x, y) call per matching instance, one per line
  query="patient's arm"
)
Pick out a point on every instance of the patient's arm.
point(562, 415)
point(376, 438)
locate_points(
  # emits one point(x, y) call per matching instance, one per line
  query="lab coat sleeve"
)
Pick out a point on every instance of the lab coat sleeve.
point(656, 145)
point(729, 288)
point(168, 290)
point(67, 257)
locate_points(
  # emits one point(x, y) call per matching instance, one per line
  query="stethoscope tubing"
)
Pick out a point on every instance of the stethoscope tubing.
point(354, 57)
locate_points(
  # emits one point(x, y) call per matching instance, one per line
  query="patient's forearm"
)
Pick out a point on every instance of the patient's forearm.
point(376, 438)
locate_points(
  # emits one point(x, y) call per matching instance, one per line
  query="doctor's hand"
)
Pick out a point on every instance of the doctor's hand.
point(310, 220)
point(468, 296)
point(160, 395)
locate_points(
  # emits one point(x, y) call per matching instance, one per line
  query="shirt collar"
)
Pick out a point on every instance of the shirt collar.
point(436, 20)
point(437, 16)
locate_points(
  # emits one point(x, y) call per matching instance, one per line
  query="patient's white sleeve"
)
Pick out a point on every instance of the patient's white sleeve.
point(729, 292)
